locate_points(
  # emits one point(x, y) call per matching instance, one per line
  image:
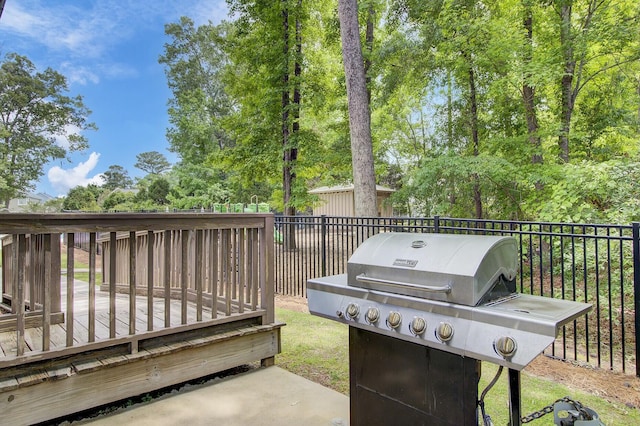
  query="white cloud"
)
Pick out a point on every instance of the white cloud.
point(204, 11)
point(84, 35)
point(73, 29)
point(88, 29)
point(78, 74)
point(62, 180)
point(20, 21)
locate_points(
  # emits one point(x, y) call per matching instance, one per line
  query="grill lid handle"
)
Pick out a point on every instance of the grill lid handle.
point(364, 279)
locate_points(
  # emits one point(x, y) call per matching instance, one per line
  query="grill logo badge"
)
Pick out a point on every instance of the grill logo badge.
point(407, 263)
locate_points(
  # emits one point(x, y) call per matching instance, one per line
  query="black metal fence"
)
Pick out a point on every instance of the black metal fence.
point(593, 263)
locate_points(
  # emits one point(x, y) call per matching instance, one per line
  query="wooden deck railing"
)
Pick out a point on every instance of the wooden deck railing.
point(34, 247)
point(170, 273)
point(226, 265)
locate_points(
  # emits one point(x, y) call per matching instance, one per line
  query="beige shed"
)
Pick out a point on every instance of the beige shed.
point(338, 201)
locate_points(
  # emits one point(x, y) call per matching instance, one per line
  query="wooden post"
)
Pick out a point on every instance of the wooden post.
point(267, 279)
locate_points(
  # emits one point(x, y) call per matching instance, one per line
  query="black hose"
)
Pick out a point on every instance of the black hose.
point(486, 420)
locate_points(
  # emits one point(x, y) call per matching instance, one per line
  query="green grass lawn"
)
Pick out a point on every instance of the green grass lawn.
point(79, 275)
point(317, 349)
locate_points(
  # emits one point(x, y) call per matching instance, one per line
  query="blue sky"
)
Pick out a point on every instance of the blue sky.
point(108, 50)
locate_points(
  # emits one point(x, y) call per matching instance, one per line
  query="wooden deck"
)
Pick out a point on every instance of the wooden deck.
point(183, 296)
point(58, 332)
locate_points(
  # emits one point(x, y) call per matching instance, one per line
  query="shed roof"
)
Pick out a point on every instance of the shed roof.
point(345, 188)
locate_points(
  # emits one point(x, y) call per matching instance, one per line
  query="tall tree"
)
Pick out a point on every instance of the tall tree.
point(194, 62)
point(528, 88)
point(290, 114)
point(152, 162)
point(36, 115)
point(116, 177)
point(269, 80)
point(364, 178)
point(595, 36)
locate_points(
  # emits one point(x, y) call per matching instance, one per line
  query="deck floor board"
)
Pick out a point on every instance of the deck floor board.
point(81, 308)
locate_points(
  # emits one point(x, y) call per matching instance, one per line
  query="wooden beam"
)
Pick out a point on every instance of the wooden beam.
point(82, 388)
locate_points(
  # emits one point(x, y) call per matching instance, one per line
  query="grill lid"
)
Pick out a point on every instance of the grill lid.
point(464, 269)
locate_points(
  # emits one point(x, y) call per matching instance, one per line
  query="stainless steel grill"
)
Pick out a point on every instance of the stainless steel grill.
point(455, 293)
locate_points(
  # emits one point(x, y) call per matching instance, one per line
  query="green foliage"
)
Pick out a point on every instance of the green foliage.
point(158, 191)
point(152, 162)
point(34, 113)
point(83, 198)
point(194, 60)
point(447, 104)
point(116, 177)
point(591, 192)
point(119, 200)
point(444, 186)
point(196, 187)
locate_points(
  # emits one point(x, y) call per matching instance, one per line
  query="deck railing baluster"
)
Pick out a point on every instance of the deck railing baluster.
point(32, 265)
point(167, 278)
point(184, 275)
point(228, 270)
point(92, 286)
point(132, 281)
point(215, 272)
point(113, 252)
point(150, 278)
point(199, 253)
point(46, 296)
point(70, 287)
point(241, 269)
point(19, 296)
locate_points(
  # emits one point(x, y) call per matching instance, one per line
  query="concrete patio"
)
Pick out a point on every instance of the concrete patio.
point(260, 397)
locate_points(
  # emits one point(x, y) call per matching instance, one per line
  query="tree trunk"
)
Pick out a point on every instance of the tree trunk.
point(567, 97)
point(449, 110)
point(288, 174)
point(297, 73)
point(368, 39)
point(473, 103)
point(528, 91)
point(638, 92)
point(364, 179)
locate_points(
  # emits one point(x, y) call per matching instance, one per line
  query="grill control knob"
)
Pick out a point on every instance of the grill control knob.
point(444, 332)
point(352, 310)
point(505, 346)
point(372, 316)
point(394, 319)
point(417, 326)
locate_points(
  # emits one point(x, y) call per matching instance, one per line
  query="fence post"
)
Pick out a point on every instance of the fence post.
point(636, 288)
point(436, 224)
point(323, 245)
